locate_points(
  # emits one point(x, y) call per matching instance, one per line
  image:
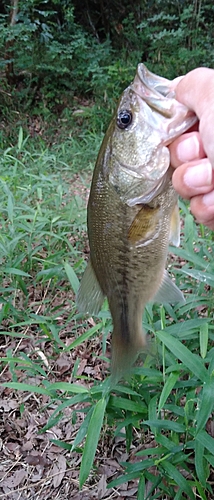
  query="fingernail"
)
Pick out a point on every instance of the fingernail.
point(208, 199)
point(199, 175)
point(188, 149)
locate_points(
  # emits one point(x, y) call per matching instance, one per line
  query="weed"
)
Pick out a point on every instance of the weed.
point(166, 405)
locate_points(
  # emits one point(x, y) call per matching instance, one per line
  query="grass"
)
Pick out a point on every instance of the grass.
point(163, 413)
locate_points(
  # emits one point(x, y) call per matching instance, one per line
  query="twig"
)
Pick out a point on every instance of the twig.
point(44, 480)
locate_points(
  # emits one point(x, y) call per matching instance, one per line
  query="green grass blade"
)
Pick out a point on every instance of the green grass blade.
point(92, 438)
point(20, 138)
point(54, 331)
point(123, 479)
point(190, 360)
point(200, 464)
point(206, 404)
point(166, 424)
point(203, 495)
point(61, 444)
point(72, 277)
point(19, 386)
point(206, 440)
point(85, 336)
point(202, 276)
point(18, 272)
point(65, 386)
point(152, 412)
point(174, 473)
point(127, 404)
point(170, 382)
point(203, 339)
point(141, 489)
point(82, 430)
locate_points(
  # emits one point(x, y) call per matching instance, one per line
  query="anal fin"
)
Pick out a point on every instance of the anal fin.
point(168, 292)
point(89, 296)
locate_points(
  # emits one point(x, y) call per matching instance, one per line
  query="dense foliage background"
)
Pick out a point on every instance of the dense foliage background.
point(53, 52)
point(63, 65)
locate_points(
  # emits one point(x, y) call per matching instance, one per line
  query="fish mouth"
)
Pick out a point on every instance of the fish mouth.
point(154, 90)
point(159, 85)
point(168, 114)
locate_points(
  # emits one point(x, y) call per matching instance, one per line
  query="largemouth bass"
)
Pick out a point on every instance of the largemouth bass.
point(133, 213)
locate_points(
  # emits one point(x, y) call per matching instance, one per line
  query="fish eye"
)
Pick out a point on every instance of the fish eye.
point(124, 118)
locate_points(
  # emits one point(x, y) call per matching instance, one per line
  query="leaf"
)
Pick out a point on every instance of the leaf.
point(20, 138)
point(173, 472)
point(138, 466)
point(190, 360)
point(189, 231)
point(82, 429)
point(210, 459)
point(200, 463)
point(85, 336)
point(92, 439)
point(125, 390)
point(124, 479)
point(127, 404)
point(59, 470)
point(166, 424)
point(202, 276)
point(141, 488)
point(18, 272)
point(79, 398)
point(152, 411)
point(170, 382)
point(167, 443)
point(15, 479)
point(150, 451)
point(10, 207)
point(206, 404)
point(201, 492)
point(72, 277)
point(187, 327)
point(65, 386)
point(22, 285)
point(203, 340)
point(19, 386)
point(61, 444)
point(56, 337)
point(206, 440)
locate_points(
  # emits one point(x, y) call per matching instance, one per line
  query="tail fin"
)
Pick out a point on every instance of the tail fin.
point(125, 350)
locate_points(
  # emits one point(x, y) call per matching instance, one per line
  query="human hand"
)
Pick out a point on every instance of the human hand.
point(192, 154)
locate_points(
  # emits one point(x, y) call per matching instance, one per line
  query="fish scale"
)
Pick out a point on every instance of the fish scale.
point(133, 214)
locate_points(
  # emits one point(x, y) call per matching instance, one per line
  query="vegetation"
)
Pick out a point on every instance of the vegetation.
point(62, 70)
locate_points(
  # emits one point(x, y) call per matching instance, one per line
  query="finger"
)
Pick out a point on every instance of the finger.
point(202, 208)
point(196, 91)
point(193, 178)
point(174, 83)
point(186, 148)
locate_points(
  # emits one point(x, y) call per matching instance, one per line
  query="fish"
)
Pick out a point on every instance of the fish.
point(133, 214)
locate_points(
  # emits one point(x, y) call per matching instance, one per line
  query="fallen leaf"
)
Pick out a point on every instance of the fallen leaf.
point(59, 469)
point(15, 479)
point(102, 487)
point(35, 459)
point(82, 366)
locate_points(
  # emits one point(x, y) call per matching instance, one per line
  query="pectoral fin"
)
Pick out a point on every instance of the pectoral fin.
point(89, 296)
point(145, 226)
point(168, 292)
point(174, 235)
